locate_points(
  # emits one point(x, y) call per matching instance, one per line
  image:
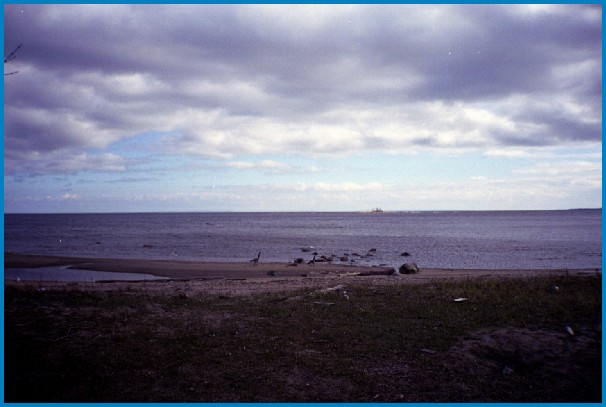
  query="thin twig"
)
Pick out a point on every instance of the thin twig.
point(63, 337)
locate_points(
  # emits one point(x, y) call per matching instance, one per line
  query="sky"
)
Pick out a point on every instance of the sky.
point(138, 108)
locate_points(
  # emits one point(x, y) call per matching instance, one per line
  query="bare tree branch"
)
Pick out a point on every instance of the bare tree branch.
point(10, 57)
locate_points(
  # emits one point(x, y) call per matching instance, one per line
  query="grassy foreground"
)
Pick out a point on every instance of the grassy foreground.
point(507, 342)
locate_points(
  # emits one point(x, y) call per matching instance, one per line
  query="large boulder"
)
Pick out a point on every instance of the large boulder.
point(409, 268)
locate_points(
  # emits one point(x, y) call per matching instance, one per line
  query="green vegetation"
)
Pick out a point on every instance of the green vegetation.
point(396, 343)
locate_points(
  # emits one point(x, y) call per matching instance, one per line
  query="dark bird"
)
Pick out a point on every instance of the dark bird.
point(312, 261)
point(255, 261)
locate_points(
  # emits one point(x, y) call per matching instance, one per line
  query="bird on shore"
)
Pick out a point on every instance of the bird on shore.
point(255, 261)
point(312, 261)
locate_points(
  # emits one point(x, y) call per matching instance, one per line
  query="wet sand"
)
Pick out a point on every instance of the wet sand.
point(245, 278)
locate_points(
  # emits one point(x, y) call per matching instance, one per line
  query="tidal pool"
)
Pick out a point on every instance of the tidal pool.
point(64, 273)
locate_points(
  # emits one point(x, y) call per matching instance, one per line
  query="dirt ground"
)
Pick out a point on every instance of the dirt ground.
point(558, 362)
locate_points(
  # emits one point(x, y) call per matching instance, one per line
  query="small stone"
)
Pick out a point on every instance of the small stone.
point(507, 370)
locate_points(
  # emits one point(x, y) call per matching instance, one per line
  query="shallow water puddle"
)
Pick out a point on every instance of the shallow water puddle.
point(64, 273)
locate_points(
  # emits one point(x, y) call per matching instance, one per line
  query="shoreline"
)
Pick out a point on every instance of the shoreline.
point(242, 278)
point(183, 269)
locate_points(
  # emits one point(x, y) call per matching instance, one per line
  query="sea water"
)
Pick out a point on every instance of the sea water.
point(460, 239)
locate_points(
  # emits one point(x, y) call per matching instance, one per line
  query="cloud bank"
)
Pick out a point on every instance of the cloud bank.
point(251, 87)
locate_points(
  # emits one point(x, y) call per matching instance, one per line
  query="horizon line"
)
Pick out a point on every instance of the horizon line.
point(371, 212)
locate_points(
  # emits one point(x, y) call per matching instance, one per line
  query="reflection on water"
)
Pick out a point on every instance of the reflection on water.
point(66, 274)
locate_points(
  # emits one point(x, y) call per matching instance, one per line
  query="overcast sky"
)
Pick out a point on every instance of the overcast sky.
point(288, 107)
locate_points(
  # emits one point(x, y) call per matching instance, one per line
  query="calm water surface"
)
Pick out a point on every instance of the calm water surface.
point(490, 240)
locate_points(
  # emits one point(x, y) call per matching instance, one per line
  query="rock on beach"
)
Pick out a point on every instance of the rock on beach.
point(409, 268)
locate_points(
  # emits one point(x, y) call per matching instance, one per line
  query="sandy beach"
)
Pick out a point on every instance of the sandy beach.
point(246, 278)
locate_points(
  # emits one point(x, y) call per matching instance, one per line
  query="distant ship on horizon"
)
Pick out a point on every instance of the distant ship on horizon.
point(376, 210)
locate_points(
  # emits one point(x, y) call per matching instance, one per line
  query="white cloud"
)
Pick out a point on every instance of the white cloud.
point(269, 166)
point(66, 197)
point(338, 187)
point(508, 152)
point(60, 198)
point(65, 162)
point(565, 168)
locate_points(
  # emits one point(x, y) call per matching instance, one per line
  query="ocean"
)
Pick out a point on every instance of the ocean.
point(444, 239)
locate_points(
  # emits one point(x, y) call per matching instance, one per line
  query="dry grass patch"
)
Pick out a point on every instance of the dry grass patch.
point(358, 343)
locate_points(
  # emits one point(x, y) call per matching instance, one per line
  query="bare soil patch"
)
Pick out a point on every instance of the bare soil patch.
point(515, 361)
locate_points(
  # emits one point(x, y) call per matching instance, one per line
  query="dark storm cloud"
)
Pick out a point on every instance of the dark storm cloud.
point(227, 80)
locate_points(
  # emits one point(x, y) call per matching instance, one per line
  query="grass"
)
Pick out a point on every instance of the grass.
point(396, 343)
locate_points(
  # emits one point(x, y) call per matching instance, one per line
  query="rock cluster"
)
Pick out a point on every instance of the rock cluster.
point(350, 257)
